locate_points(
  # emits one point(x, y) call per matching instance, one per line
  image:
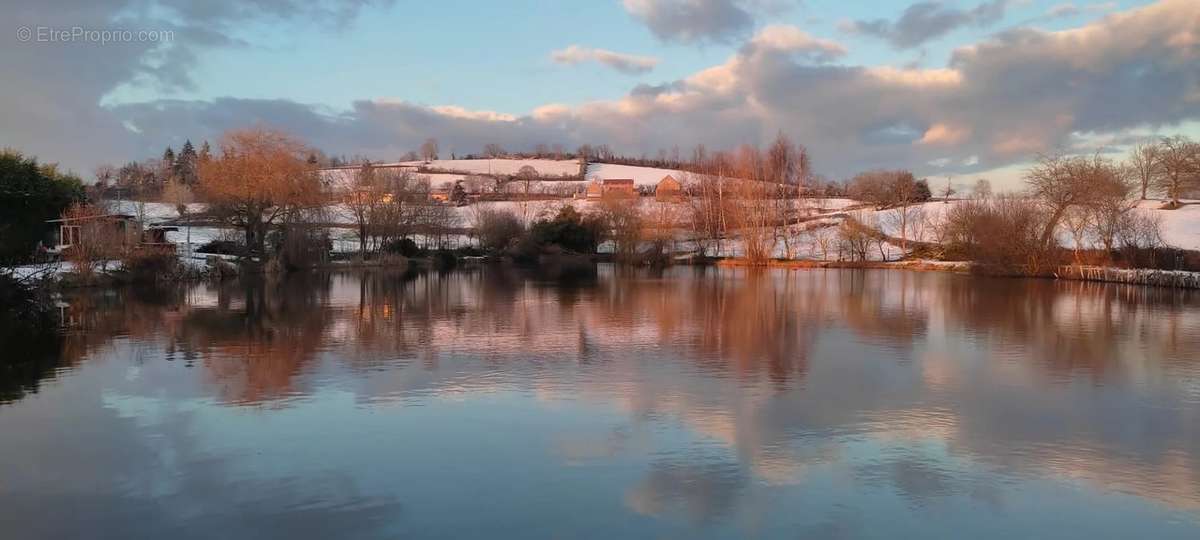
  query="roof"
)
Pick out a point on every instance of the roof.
point(618, 181)
point(82, 218)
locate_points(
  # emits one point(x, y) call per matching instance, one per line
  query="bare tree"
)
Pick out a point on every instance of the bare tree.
point(1178, 166)
point(982, 189)
point(493, 150)
point(1111, 203)
point(623, 224)
point(704, 211)
point(260, 176)
point(527, 180)
point(1078, 221)
point(97, 239)
point(361, 202)
point(1144, 165)
point(429, 149)
point(1059, 183)
point(179, 194)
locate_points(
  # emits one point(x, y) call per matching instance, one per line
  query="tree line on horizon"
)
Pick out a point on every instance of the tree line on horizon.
point(262, 181)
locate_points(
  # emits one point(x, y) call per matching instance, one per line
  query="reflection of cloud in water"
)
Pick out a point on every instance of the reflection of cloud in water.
point(704, 490)
point(139, 468)
point(788, 373)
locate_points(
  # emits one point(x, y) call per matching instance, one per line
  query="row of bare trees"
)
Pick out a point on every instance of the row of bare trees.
point(1090, 199)
point(389, 205)
point(1170, 165)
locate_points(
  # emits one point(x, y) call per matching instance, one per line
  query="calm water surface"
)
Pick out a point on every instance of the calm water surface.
point(695, 403)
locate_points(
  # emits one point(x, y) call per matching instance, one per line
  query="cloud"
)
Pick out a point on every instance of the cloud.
point(54, 90)
point(791, 39)
point(1062, 11)
point(693, 21)
point(925, 21)
point(994, 104)
point(625, 63)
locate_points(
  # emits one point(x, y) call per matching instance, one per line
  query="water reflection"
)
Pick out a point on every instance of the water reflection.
point(688, 402)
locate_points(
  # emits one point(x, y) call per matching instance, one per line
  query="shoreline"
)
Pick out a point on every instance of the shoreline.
point(1174, 279)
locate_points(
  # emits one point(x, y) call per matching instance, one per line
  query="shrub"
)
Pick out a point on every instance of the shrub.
point(299, 246)
point(151, 265)
point(568, 230)
point(222, 247)
point(405, 247)
point(497, 229)
point(1001, 233)
point(469, 251)
point(444, 259)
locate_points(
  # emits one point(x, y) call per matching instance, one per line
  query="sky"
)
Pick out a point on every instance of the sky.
point(961, 89)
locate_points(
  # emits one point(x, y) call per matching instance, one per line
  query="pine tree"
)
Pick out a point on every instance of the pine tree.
point(458, 195)
point(185, 164)
point(168, 158)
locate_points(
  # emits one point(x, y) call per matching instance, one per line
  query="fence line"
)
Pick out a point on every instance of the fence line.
point(1156, 278)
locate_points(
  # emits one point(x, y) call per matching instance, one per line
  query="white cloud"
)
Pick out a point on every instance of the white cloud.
point(788, 38)
point(625, 63)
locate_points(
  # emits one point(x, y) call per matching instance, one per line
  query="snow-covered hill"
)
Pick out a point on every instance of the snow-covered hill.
point(642, 176)
point(544, 167)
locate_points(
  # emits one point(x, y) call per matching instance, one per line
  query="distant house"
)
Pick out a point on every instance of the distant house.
point(668, 189)
point(121, 229)
point(611, 188)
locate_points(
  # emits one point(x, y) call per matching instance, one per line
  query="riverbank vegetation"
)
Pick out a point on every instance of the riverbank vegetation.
point(268, 202)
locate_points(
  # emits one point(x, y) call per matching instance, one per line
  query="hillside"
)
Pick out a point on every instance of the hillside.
point(642, 176)
point(451, 170)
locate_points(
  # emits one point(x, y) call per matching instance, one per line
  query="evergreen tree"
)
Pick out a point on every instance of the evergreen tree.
point(923, 192)
point(458, 195)
point(205, 152)
point(185, 164)
point(168, 158)
point(31, 193)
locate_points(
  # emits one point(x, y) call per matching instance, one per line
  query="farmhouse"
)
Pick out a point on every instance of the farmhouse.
point(668, 189)
point(611, 188)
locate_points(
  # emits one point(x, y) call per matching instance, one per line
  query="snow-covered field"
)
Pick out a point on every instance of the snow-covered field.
point(544, 167)
point(153, 212)
point(1180, 227)
point(642, 176)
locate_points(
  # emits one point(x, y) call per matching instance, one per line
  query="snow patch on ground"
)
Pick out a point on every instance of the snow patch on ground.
point(1180, 227)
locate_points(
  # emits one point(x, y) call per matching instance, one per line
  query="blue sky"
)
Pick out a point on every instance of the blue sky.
point(953, 87)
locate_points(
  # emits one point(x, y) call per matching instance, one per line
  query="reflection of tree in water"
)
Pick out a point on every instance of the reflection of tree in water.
point(755, 322)
point(60, 339)
point(882, 306)
point(255, 352)
point(1074, 326)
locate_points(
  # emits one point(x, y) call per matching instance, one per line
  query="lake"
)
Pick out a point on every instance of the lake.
point(611, 403)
